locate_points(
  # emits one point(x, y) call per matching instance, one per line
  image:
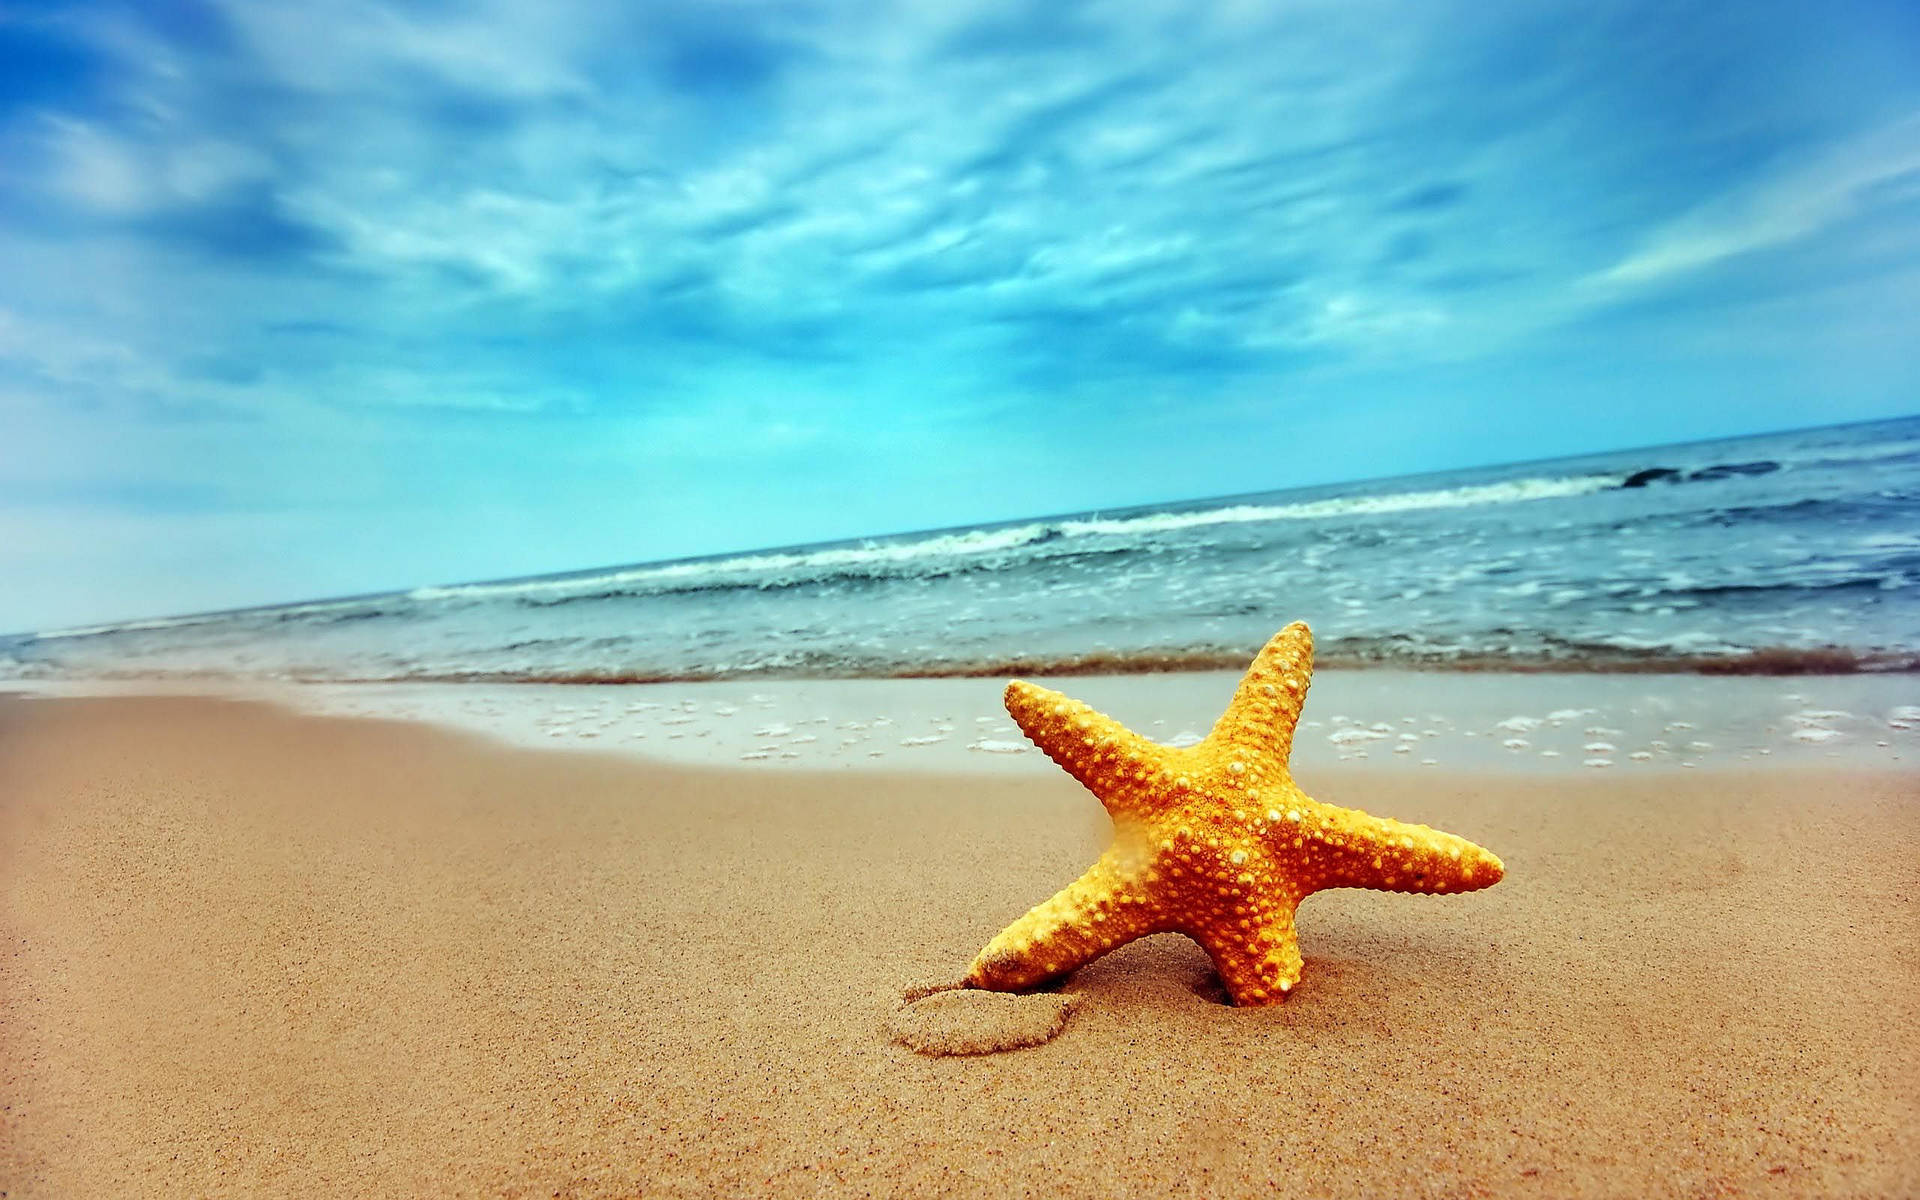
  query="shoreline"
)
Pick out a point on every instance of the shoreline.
point(1524, 723)
point(254, 952)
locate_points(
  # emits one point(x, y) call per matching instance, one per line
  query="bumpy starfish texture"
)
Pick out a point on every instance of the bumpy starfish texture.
point(1214, 840)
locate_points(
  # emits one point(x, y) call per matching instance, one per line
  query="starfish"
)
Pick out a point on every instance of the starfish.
point(1214, 840)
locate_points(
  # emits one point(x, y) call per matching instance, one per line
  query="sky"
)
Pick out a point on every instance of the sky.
point(308, 300)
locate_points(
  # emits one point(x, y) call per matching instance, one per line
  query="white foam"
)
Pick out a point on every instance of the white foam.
point(1816, 735)
point(1353, 735)
point(1738, 715)
point(759, 568)
point(1508, 492)
point(907, 555)
point(1820, 716)
point(997, 746)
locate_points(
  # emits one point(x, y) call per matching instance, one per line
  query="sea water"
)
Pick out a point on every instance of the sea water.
point(1783, 553)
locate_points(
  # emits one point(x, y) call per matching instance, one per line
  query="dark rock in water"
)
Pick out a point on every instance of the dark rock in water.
point(1729, 470)
point(1651, 475)
point(1647, 475)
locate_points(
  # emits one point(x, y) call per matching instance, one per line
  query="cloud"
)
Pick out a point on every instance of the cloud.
point(653, 225)
point(774, 179)
point(1878, 168)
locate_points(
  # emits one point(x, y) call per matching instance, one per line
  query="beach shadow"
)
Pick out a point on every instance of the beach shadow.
point(1212, 989)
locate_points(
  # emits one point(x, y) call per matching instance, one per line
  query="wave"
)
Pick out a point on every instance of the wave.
point(85, 631)
point(1349, 654)
point(1509, 492)
point(1539, 652)
point(1622, 659)
point(974, 549)
point(1647, 476)
point(1074, 538)
point(368, 606)
point(1872, 581)
point(1827, 446)
point(1829, 455)
point(768, 567)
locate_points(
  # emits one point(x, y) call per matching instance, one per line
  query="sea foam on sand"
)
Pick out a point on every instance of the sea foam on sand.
point(1421, 720)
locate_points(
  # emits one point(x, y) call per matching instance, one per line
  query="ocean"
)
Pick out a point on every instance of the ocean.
point(1783, 553)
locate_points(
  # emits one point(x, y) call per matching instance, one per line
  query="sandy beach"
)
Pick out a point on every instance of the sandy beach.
point(255, 953)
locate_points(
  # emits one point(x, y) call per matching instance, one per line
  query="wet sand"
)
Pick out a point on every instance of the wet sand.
point(249, 953)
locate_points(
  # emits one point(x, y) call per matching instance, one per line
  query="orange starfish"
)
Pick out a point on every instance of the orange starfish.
point(1214, 841)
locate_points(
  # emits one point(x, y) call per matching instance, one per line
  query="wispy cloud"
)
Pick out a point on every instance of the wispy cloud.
point(521, 228)
point(1880, 169)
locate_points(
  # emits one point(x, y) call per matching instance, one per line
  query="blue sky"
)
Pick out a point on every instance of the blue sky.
point(296, 305)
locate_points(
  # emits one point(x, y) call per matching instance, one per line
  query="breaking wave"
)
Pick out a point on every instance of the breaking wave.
point(1595, 659)
point(974, 549)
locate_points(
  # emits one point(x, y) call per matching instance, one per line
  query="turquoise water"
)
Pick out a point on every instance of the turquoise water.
point(1780, 553)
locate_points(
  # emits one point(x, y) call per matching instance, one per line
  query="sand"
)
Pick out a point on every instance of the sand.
point(249, 953)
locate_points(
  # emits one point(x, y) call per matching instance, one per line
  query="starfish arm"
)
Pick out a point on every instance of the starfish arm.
point(1113, 762)
point(1353, 849)
point(1214, 840)
point(1266, 706)
point(1089, 917)
point(1258, 961)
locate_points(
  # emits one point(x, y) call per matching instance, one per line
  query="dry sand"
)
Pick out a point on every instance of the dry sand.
point(248, 953)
